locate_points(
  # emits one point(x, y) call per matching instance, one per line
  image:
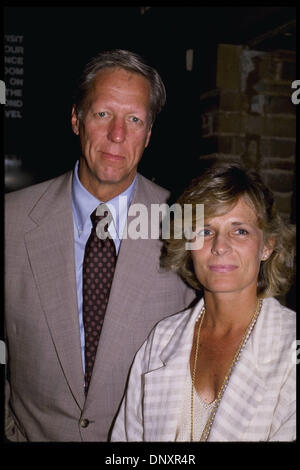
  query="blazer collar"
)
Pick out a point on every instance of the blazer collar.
point(181, 340)
point(55, 199)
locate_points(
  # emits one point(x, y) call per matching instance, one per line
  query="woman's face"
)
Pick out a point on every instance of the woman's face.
point(233, 249)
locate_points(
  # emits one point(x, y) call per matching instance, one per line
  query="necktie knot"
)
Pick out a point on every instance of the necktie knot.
point(101, 213)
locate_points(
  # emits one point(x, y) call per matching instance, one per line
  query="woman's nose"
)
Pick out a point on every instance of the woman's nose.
point(220, 245)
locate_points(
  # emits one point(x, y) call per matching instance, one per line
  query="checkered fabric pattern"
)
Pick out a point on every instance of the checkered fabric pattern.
point(259, 403)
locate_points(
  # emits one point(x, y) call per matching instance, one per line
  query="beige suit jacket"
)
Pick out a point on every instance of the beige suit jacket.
point(45, 398)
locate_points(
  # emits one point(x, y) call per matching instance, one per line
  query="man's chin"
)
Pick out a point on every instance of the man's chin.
point(112, 179)
point(116, 178)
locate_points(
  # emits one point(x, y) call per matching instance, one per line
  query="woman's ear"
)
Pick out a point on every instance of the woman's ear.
point(268, 249)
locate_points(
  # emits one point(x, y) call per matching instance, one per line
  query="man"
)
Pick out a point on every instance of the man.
point(48, 229)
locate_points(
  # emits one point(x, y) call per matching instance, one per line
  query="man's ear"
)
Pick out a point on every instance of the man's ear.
point(75, 121)
point(148, 137)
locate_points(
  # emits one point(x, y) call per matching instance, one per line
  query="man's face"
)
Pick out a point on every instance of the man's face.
point(114, 131)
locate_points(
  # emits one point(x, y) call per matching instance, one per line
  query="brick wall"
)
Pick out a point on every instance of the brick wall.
point(249, 115)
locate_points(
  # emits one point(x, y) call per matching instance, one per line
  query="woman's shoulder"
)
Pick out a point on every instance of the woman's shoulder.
point(279, 313)
point(276, 330)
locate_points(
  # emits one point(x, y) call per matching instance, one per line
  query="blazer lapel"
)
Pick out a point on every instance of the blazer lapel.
point(245, 390)
point(131, 278)
point(131, 273)
point(164, 386)
point(50, 247)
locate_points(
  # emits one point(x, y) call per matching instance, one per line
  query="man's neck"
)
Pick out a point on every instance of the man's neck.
point(105, 191)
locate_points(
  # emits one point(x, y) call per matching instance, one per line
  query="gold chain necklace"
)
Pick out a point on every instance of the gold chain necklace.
point(241, 346)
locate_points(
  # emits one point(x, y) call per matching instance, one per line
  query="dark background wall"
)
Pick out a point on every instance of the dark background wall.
point(229, 96)
point(58, 41)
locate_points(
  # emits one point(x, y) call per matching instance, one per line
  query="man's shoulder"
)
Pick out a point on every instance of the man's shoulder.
point(150, 190)
point(30, 194)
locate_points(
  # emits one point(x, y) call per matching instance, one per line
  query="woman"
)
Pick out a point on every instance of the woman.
point(224, 370)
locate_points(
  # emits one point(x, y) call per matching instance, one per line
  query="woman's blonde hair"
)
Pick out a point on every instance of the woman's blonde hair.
point(219, 189)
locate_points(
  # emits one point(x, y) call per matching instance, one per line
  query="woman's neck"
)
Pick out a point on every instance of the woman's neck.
point(229, 311)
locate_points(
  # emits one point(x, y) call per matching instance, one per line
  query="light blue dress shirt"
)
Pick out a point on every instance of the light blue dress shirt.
point(83, 204)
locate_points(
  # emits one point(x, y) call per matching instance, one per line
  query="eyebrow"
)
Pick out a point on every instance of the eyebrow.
point(232, 223)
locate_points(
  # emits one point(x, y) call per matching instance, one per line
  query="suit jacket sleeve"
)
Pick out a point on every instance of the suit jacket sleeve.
point(9, 424)
point(11, 431)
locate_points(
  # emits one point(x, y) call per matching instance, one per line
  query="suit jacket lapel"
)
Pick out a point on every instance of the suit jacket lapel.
point(50, 246)
point(134, 255)
point(131, 278)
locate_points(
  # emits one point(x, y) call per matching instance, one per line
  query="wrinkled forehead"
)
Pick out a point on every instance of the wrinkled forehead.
point(112, 80)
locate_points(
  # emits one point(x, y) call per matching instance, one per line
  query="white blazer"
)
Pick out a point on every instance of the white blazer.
point(259, 403)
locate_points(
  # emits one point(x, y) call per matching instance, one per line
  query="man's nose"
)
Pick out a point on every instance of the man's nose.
point(117, 131)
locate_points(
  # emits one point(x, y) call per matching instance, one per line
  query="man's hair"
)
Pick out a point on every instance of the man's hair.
point(219, 189)
point(129, 61)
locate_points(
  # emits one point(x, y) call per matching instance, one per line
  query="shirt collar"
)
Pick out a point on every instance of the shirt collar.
point(84, 203)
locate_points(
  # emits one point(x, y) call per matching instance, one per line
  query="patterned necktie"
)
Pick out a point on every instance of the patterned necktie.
point(98, 271)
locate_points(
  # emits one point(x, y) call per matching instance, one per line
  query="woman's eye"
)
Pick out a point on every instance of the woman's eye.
point(204, 233)
point(102, 114)
point(242, 231)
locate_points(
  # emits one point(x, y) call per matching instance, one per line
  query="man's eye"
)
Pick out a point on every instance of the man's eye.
point(102, 114)
point(134, 119)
